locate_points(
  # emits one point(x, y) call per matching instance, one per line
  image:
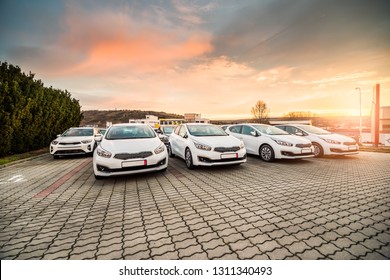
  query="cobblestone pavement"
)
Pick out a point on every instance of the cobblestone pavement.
point(328, 208)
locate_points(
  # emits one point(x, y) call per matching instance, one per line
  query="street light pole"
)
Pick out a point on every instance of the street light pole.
point(360, 119)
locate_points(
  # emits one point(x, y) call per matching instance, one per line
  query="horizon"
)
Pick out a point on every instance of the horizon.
point(216, 58)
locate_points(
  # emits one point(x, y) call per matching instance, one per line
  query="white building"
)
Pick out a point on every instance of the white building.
point(149, 119)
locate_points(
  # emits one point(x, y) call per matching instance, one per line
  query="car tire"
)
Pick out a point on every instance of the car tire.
point(266, 153)
point(97, 177)
point(56, 157)
point(318, 150)
point(170, 153)
point(188, 159)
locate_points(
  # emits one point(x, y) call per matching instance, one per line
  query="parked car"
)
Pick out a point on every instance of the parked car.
point(167, 129)
point(75, 141)
point(270, 142)
point(206, 144)
point(324, 142)
point(128, 149)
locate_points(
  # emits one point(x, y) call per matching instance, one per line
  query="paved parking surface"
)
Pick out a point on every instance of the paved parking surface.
point(329, 208)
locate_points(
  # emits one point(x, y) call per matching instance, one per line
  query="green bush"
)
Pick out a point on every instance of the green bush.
point(31, 115)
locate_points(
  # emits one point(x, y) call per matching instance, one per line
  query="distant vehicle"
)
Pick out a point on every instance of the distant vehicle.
point(102, 131)
point(167, 129)
point(270, 142)
point(127, 149)
point(206, 144)
point(75, 141)
point(324, 142)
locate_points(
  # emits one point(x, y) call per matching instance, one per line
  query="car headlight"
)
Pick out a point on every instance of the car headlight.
point(330, 141)
point(54, 142)
point(86, 141)
point(103, 153)
point(283, 143)
point(202, 147)
point(159, 149)
point(242, 146)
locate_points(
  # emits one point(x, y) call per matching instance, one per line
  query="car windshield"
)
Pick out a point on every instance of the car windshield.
point(270, 130)
point(206, 130)
point(167, 129)
point(129, 132)
point(314, 129)
point(72, 132)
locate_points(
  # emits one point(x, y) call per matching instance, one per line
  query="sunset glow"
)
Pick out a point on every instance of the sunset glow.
point(216, 58)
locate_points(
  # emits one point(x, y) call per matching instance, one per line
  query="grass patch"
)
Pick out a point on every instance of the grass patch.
point(380, 149)
point(12, 158)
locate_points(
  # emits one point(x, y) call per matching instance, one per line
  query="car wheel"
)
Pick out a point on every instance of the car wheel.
point(267, 153)
point(56, 157)
point(170, 153)
point(188, 158)
point(318, 150)
point(97, 177)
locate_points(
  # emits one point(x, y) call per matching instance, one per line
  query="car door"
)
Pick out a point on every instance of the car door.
point(250, 138)
point(235, 131)
point(180, 141)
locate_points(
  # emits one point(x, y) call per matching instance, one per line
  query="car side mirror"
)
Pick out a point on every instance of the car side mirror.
point(299, 133)
point(98, 137)
point(185, 136)
point(59, 135)
point(254, 133)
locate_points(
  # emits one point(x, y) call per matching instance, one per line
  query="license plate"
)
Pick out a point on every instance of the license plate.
point(235, 155)
point(306, 151)
point(134, 163)
point(352, 148)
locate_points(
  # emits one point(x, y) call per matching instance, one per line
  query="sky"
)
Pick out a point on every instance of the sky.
point(216, 58)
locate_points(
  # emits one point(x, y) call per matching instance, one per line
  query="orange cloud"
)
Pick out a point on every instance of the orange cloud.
point(113, 41)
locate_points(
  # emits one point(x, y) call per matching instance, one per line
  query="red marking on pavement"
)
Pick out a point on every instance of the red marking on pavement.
point(62, 180)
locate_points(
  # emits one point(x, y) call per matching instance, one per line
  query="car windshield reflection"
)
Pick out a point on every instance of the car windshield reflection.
point(78, 132)
point(314, 130)
point(270, 130)
point(205, 130)
point(129, 132)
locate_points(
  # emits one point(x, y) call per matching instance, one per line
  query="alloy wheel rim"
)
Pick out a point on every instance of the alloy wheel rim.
point(266, 153)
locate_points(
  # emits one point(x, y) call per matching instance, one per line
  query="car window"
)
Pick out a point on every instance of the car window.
point(205, 130)
point(269, 130)
point(78, 132)
point(293, 130)
point(235, 129)
point(130, 132)
point(247, 130)
point(182, 131)
point(177, 129)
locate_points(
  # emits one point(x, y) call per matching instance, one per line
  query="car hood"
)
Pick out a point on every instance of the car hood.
point(293, 139)
point(130, 145)
point(336, 137)
point(72, 139)
point(217, 141)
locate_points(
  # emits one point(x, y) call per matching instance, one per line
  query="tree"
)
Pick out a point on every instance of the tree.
point(260, 112)
point(300, 115)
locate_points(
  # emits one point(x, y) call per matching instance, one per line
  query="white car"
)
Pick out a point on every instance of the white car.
point(75, 141)
point(128, 149)
point(206, 144)
point(270, 142)
point(324, 142)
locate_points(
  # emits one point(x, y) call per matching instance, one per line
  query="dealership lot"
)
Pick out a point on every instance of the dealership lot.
point(326, 208)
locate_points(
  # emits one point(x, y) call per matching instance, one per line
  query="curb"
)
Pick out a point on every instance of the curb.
point(22, 160)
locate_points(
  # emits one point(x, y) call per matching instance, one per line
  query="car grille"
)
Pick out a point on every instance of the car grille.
point(69, 143)
point(303, 145)
point(131, 156)
point(227, 149)
point(350, 143)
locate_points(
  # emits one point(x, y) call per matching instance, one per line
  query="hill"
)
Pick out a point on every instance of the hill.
point(100, 117)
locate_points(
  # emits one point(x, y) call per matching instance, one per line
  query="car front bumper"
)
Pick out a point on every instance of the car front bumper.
point(106, 167)
point(71, 149)
point(212, 158)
